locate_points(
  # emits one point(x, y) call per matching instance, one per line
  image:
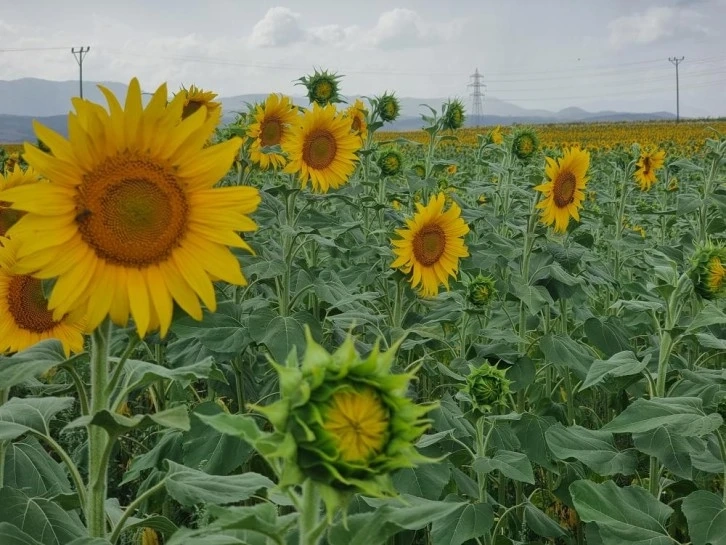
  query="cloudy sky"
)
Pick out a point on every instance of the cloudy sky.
point(596, 54)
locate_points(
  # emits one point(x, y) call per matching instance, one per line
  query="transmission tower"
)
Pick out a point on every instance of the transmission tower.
point(477, 97)
point(79, 54)
point(676, 61)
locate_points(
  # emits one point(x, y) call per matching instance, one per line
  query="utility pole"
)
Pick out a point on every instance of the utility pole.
point(676, 61)
point(477, 96)
point(79, 54)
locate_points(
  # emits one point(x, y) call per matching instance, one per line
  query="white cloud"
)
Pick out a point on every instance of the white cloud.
point(403, 28)
point(655, 24)
point(279, 27)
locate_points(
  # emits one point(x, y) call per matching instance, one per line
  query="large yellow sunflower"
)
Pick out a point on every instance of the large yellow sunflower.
point(645, 168)
point(195, 98)
point(271, 127)
point(322, 149)
point(357, 116)
point(24, 316)
point(14, 178)
point(131, 221)
point(431, 245)
point(563, 192)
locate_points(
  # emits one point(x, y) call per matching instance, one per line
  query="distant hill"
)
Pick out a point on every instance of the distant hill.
point(24, 99)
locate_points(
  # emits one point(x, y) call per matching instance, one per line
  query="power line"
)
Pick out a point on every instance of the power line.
point(676, 61)
point(23, 49)
point(79, 56)
point(477, 96)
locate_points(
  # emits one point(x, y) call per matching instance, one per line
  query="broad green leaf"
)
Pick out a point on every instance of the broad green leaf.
point(709, 315)
point(168, 446)
point(593, 448)
point(682, 415)
point(540, 523)
point(21, 415)
point(706, 516)
point(562, 351)
point(207, 449)
point(622, 364)
point(709, 341)
point(425, 481)
point(28, 467)
point(31, 362)
point(12, 535)
point(116, 424)
point(710, 459)
point(278, 333)
point(40, 518)
point(623, 515)
point(190, 487)
point(143, 373)
point(514, 465)
point(471, 520)
point(533, 297)
point(224, 332)
point(607, 335)
point(530, 431)
point(672, 450)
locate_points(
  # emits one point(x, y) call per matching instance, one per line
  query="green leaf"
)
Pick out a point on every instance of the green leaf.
point(593, 448)
point(471, 520)
point(514, 465)
point(143, 373)
point(622, 364)
point(709, 315)
point(607, 335)
point(623, 515)
point(706, 516)
point(30, 468)
point(116, 424)
point(12, 535)
point(530, 431)
point(40, 518)
point(426, 481)
point(534, 297)
point(710, 459)
point(89, 541)
point(279, 334)
point(190, 487)
point(223, 332)
point(207, 449)
point(30, 362)
point(672, 450)
point(709, 341)
point(561, 350)
point(682, 415)
point(540, 523)
point(20, 415)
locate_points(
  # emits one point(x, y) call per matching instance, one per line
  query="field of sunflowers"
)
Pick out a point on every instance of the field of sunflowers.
point(301, 329)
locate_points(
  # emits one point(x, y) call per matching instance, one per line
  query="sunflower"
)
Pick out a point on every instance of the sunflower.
point(322, 87)
point(495, 136)
point(645, 168)
point(387, 107)
point(195, 98)
point(708, 271)
point(453, 116)
point(525, 144)
point(12, 160)
point(451, 169)
point(271, 127)
point(390, 162)
point(563, 192)
point(24, 316)
point(322, 149)
point(130, 221)
point(357, 115)
point(18, 177)
point(431, 245)
point(419, 170)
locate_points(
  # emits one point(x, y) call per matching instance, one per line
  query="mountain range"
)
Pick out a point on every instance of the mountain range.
point(23, 100)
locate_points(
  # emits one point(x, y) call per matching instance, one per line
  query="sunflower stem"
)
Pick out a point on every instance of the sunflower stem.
point(4, 393)
point(703, 213)
point(97, 437)
point(309, 514)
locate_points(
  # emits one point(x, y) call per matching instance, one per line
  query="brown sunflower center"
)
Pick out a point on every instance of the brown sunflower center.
point(271, 132)
point(564, 188)
point(646, 165)
point(356, 125)
point(429, 244)
point(8, 217)
point(319, 149)
point(28, 305)
point(132, 211)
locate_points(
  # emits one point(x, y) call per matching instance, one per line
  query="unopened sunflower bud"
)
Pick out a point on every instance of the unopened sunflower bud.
point(487, 387)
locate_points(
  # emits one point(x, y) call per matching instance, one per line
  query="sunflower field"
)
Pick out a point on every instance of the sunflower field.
point(301, 329)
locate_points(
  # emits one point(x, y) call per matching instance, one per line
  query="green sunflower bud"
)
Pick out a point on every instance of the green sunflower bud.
point(322, 87)
point(390, 162)
point(419, 170)
point(349, 419)
point(708, 271)
point(453, 116)
point(388, 107)
point(487, 387)
point(481, 291)
point(525, 144)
